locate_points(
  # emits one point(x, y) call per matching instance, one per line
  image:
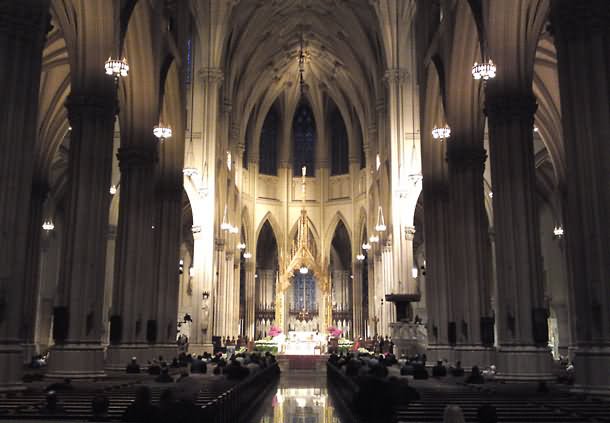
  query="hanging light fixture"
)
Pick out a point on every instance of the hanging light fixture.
point(558, 232)
point(241, 246)
point(225, 225)
point(117, 68)
point(247, 255)
point(48, 225)
point(234, 230)
point(374, 239)
point(484, 71)
point(360, 257)
point(380, 227)
point(366, 246)
point(441, 133)
point(162, 132)
point(303, 270)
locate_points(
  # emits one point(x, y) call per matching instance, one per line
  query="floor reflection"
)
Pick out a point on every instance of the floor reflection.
point(302, 404)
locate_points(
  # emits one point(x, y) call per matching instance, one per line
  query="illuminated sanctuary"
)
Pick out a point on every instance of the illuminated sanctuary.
point(303, 177)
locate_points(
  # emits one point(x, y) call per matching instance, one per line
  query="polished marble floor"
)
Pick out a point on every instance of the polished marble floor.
point(301, 397)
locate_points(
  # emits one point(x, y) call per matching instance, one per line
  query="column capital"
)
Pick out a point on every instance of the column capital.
point(409, 233)
point(396, 75)
point(24, 19)
point(228, 255)
point(219, 244)
point(510, 106)
point(81, 104)
point(211, 75)
point(466, 155)
point(575, 19)
point(133, 157)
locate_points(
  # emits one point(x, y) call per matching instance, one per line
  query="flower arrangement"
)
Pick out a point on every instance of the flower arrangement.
point(264, 345)
point(274, 331)
point(334, 332)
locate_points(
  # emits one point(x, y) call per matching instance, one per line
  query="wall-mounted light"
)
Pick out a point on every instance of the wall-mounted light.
point(414, 272)
point(48, 225)
point(205, 295)
point(191, 272)
point(112, 189)
point(558, 232)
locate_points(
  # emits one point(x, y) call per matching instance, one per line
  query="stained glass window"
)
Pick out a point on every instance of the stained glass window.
point(268, 144)
point(339, 145)
point(304, 140)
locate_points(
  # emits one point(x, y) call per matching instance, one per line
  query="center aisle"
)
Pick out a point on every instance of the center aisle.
point(301, 396)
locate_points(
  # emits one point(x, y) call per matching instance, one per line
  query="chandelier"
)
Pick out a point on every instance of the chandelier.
point(117, 68)
point(247, 255)
point(48, 225)
point(374, 239)
point(380, 227)
point(484, 71)
point(360, 257)
point(241, 246)
point(225, 225)
point(441, 133)
point(558, 232)
point(162, 132)
point(303, 270)
point(366, 246)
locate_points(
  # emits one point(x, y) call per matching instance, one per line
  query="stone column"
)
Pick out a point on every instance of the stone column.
point(249, 321)
point(522, 320)
point(167, 240)
point(32, 269)
point(218, 291)
point(78, 320)
point(436, 203)
point(582, 38)
point(468, 245)
point(23, 25)
point(358, 325)
point(132, 324)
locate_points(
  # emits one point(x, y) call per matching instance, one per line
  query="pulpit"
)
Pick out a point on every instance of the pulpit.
point(409, 338)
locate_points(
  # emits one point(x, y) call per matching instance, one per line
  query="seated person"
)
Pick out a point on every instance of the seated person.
point(141, 409)
point(154, 368)
point(489, 373)
point(458, 370)
point(133, 366)
point(164, 376)
point(52, 404)
point(65, 385)
point(99, 408)
point(198, 365)
point(475, 376)
point(487, 414)
point(402, 394)
point(439, 370)
point(419, 371)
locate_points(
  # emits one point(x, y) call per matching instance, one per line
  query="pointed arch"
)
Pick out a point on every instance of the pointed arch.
point(332, 227)
point(275, 226)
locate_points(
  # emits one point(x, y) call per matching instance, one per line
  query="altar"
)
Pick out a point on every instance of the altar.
point(303, 343)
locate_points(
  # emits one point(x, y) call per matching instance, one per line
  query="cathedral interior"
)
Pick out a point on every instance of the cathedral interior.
point(225, 168)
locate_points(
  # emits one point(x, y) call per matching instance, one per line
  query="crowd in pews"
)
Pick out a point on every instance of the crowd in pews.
point(178, 390)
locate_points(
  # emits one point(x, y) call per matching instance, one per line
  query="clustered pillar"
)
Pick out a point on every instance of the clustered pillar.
point(78, 320)
point(23, 26)
point(582, 38)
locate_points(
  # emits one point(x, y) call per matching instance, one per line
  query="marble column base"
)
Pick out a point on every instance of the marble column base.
point(11, 368)
point(474, 355)
point(201, 348)
point(168, 351)
point(437, 352)
point(592, 366)
point(524, 363)
point(76, 361)
point(29, 350)
point(118, 356)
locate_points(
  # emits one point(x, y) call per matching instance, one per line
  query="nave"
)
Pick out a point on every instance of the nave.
point(306, 392)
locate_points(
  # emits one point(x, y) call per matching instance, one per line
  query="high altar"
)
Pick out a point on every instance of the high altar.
point(303, 260)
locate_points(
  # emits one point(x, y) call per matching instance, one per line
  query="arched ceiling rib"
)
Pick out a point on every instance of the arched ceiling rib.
point(339, 45)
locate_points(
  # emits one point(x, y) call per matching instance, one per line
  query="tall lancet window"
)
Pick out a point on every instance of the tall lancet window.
point(268, 146)
point(339, 148)
point(304, 140)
